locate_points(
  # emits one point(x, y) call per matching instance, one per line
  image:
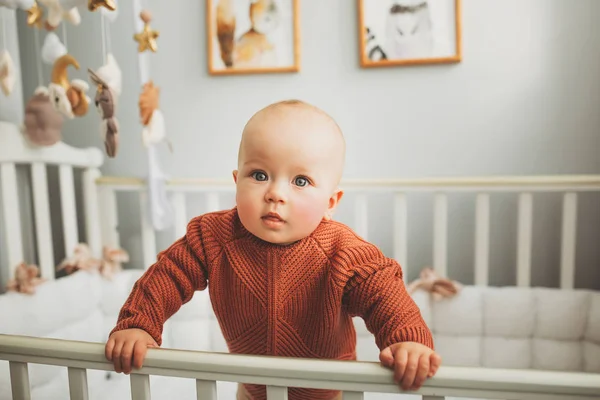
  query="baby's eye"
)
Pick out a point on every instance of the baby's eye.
point(301, 181)
point(259, 176)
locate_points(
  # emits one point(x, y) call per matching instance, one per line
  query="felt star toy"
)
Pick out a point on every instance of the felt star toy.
point(93, 5)
point(147, 38)
point(34, 16)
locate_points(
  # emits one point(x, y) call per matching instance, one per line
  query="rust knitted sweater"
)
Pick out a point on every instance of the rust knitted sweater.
point(295, 301)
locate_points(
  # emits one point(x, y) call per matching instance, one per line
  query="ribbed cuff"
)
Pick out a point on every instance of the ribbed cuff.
point(417, 334)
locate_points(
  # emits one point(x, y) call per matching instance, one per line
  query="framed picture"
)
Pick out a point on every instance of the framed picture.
point(253, 36)
point(409, 32)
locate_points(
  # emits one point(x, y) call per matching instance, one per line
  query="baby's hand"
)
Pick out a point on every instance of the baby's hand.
point(412, 363)
point(126, 346)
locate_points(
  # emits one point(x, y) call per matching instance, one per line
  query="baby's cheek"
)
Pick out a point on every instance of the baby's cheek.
point(309, 211)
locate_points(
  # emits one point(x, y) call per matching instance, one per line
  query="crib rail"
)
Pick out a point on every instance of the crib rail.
point(480, 187)
point(278, 373)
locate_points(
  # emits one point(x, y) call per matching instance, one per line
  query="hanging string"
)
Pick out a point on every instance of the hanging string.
point(64, 35)
point(38, 55)
point(103, 28)
point(3, 22)
point(108, 42)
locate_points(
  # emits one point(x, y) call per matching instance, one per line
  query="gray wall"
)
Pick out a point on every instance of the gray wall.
point(11, 110)
point(523, 101)
point(11, 107)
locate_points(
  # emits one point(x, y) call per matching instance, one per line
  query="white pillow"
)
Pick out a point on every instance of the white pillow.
point(463, 351)
point(591, 357)
point(558, 355)
point(459, 315)
point(509, 312)
point(499, 352)
point(561, 314)
point(592, 332)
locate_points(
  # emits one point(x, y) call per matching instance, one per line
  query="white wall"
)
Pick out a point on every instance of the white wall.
point(523, 101)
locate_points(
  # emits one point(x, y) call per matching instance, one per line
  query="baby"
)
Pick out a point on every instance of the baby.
point(284, 279)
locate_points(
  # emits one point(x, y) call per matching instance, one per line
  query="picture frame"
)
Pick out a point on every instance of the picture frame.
point(253, 36)
point(409, 32)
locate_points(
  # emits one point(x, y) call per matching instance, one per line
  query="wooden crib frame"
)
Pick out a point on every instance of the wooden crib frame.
point(354, 378)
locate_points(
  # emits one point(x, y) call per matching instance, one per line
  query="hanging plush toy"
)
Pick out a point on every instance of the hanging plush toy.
point(147, 37)
point(8, 73)
point(108, 87)
point(70, 98)
point(151, 117)
point(56, 14)
point(43, 124)
point(35, 16)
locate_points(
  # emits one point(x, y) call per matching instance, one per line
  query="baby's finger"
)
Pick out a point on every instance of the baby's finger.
point(422, 372)
point(116, 356)
point(400, 360)
point(434, 363)
point(386, 357)
point(411, 370)
point(108, 349)
point(127, 355)
point(139, 354)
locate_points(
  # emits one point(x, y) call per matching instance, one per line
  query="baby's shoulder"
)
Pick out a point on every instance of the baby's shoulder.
point(219, 226)
point(337, 239)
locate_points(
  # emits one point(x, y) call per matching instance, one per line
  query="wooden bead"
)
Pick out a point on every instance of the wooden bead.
point(146, 16)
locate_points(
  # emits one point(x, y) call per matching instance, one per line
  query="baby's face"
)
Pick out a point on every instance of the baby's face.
point(290, 163)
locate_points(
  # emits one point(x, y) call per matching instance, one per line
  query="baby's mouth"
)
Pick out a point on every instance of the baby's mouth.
point(272, 217)
point(272, 220)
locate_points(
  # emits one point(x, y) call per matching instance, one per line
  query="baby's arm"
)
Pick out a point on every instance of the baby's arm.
point(171, 282)
point(376, 292)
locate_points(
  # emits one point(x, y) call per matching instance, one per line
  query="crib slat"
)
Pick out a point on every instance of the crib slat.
point(68, 207)
point(524, 240)
point(12, 219)
point(568, 241)
point(212, 202)
point(179, 206)
point(92, 216)
point(19, 380)
point(440, 229)
point(43, 228)
point(400, 231)
point(353, 396)
point(482, 239)
point(148, 234)
point(206, 390)
point(277, 393)
point(108, 217)
point(78, 384)
point(140, 387)
point(361, 216)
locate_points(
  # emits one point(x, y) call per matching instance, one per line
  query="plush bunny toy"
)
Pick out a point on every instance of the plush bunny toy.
point(105, 103)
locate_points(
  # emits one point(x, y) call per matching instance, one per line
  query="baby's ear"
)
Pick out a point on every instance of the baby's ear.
point(235, 173)
point(333, 203)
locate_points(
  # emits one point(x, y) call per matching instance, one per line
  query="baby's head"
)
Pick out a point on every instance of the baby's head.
point(290, 163)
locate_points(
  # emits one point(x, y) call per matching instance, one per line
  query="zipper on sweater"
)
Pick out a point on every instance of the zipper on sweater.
point(272, 275)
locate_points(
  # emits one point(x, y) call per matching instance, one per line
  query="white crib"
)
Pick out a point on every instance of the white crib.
point(94, 220)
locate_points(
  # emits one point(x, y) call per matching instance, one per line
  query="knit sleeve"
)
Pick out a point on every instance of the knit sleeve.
point(168, 284)
point(376, 292)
